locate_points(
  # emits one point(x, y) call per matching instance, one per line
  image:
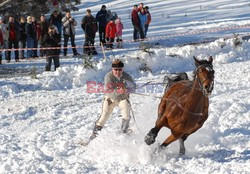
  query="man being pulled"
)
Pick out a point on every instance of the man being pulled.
point(117, 94)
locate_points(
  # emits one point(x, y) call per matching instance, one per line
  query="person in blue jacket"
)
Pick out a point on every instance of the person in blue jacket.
point(143, 19)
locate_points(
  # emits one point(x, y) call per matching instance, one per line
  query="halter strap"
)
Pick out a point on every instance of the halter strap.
point(210, 67)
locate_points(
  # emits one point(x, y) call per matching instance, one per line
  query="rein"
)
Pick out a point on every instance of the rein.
point(193, 113)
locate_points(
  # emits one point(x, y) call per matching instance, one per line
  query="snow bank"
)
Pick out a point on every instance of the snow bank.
point(160, 61)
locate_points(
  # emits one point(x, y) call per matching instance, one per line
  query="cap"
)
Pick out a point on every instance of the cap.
point(117, 64)
point(103, 6)
point(1, 18)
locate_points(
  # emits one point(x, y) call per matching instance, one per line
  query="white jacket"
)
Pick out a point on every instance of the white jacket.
point(67, 25)
point(5, 32)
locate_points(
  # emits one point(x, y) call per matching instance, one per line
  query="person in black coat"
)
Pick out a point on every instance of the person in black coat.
point(44, 24)
point(50, 40)
point(89, 26)
point(101, 18)
point(31, 37)
point(22, 37)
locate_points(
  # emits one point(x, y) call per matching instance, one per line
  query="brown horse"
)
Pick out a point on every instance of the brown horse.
point(184, 106)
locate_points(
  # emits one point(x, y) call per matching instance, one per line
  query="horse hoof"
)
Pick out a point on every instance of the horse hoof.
point(149, 140)
point(181, 153)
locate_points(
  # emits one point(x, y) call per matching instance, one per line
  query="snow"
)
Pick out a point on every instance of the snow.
point(42, 119)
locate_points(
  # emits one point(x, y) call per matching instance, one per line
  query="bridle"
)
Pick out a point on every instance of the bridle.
point(210, 76)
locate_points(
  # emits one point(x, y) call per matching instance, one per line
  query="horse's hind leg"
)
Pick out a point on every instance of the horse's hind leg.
point(150, 137)
point(171, 138)
point(182, 146)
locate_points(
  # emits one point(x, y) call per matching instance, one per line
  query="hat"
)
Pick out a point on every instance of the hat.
point(117, 64)
point(1, 18)
point(103, 6)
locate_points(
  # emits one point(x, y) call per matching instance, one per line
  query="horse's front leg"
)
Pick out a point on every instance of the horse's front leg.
point(150, 137)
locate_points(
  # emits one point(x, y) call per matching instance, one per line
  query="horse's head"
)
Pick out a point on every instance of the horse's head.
point(205, 75)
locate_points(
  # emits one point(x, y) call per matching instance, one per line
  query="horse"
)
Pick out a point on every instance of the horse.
point(184, 106)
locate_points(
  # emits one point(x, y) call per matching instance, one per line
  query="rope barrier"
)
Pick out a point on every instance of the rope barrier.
point(132, 41)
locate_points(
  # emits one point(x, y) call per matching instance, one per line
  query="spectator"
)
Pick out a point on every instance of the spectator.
point(44, 25)
point(56, 20)
point(101, 18)
point(31, 37)
point(143, 19)
point(13, 28)
point(141, 5)
point(5, 33)
point(136, 23)
point(1, 45)
point(89, 26)
point(109, 15)
point(52, 39)
point(110, 34)
point(69, 24)
point(148, 20)
point(22, 37)
point(119, 28)
point(38, 33)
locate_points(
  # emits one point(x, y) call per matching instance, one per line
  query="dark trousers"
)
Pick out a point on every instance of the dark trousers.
point(22, 44)
point(30, 44)
point(72, 39)
point(102, 34)
point(146, 29)
point(137, 28)
point(15, 43)
point(110, 42)
point(89, 45)
point(49, 62)
point(35, 46)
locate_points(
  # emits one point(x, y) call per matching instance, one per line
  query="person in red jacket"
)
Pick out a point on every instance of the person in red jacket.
point(13, 28)
point(136, 23)
point(110, 34)
point(1, 45)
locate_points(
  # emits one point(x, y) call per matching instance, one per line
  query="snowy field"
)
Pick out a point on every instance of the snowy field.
point(42, 119)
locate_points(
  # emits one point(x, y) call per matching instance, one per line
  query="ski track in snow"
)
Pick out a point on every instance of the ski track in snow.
point(43, 120)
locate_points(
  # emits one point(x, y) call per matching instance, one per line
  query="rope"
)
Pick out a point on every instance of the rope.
point(148, 39)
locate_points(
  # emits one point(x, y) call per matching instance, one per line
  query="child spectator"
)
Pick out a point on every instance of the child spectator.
point(110, 34)
point(119, 27)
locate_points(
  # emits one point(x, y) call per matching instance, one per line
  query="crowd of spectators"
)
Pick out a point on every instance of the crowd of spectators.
point(27, 35)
